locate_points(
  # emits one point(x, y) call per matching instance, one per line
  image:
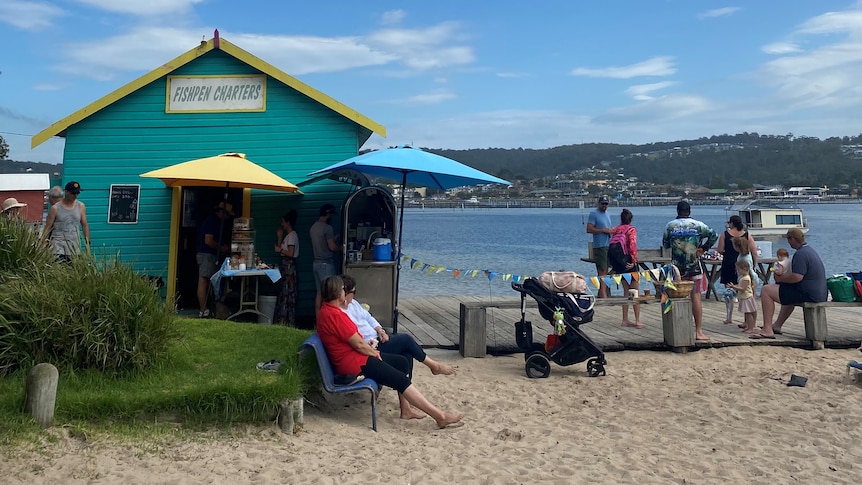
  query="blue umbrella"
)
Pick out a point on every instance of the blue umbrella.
point(412, 165)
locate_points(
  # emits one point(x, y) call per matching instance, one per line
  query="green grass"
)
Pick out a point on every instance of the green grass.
point(208, 377)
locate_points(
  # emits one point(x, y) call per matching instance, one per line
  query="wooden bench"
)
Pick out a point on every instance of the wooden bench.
point(472, 333)
point(814, 315)
point(327, 376)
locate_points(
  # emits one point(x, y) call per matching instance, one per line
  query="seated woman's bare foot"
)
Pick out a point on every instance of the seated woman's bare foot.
point(412, 414)
point(449, 419)
point(445, 369)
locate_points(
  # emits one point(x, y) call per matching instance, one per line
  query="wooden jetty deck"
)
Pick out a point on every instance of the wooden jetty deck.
point(434, 322)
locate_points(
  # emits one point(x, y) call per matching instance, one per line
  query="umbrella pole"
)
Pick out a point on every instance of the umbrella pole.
point(218, 247)
point(398, 252)
point(221, 224)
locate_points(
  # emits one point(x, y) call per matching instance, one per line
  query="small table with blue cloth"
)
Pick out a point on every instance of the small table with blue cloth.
point(248, 301)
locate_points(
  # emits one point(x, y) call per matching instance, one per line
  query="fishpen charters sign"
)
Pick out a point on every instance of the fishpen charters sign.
point(190, 94)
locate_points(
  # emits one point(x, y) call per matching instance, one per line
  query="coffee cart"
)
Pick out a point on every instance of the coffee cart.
point(369, 224)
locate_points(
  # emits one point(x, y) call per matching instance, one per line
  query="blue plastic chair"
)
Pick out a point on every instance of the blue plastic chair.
point(327, 376)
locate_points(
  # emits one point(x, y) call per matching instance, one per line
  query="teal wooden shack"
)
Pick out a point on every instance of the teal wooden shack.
point(215, 98)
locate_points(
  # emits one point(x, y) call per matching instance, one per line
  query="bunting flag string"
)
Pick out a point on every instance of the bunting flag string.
point(656, 274)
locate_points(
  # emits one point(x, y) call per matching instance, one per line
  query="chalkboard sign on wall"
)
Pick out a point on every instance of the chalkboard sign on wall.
point(123, 206)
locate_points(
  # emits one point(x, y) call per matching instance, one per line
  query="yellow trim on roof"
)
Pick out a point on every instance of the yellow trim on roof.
point(59, 128)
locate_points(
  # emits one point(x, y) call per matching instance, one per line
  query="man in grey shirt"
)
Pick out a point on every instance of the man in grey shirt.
point(325, 248)
point(64, 218)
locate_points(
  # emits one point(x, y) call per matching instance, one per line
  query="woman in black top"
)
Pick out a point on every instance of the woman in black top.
point(735, 228)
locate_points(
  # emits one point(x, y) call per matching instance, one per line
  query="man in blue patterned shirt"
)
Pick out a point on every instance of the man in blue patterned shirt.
point(688, 239)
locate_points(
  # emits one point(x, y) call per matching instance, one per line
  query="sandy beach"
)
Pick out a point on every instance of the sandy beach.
point(707, 417)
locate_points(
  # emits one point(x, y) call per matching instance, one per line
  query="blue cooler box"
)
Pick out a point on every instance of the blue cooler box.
point(382, 249)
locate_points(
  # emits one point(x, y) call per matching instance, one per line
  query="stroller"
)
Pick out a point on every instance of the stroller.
point(571, 345)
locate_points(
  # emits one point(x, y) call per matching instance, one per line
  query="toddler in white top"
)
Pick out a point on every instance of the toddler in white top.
point(783, 265)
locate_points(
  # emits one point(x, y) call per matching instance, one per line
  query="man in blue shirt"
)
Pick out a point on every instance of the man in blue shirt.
point(806, 281)
point(600, 226)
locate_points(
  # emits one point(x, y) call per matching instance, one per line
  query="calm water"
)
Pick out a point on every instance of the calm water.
point(530, 241)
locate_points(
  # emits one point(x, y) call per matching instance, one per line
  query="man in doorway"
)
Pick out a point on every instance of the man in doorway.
point(63, 221)
point(806, 282)
point(600, 226)
point(688, 239)
point(324, 247)
point(209, 250)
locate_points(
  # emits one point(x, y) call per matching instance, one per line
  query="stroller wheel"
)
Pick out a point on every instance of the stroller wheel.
point(537, 366)
point(596, 368)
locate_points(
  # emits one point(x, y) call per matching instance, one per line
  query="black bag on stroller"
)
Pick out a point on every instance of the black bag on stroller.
point(572, 345)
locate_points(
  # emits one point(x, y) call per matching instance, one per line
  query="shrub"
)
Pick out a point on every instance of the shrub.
point(94, 313)
point(22, 250)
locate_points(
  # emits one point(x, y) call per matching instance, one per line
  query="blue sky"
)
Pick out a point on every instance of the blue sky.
point(467, 74)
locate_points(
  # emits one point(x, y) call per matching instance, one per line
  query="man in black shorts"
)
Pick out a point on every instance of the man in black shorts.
point(805, 282)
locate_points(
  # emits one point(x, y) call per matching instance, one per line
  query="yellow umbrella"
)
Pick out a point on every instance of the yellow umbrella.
point(225, 170)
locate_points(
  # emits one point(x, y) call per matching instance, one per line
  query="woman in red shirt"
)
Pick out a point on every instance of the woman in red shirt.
point(351, 355)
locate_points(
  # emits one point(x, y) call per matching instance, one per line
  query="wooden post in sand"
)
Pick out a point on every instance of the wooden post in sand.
point(291, 415)
point(41, 393)
point(678, 325)
point(472, 338)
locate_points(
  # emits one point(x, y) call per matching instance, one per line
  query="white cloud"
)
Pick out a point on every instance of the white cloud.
point(849, 21)
point(658, 109)
point(393, 17)
point(779, 48)
point(31, 16)
point(656, 66)
point(435, 97)
point(641, 92)
point(142, 48)
point(718, 12)
point(139, 50)
point(48, 87)
point(148, 7)
point(825, 77)
point(426, 48)
point(305, 55)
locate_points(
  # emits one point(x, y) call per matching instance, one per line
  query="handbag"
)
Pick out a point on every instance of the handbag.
point(563, 282)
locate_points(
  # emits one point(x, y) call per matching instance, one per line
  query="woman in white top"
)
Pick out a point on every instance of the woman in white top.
point(371, 331)
point(288, 249)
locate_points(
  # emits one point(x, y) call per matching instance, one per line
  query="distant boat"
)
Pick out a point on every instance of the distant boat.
point(766, 218)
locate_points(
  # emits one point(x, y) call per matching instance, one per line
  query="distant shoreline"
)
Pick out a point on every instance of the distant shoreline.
point(576, 203)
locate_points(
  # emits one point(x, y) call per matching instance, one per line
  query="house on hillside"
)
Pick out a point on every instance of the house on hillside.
point(215, 98)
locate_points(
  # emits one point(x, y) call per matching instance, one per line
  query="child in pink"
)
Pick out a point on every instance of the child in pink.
point(745, 293)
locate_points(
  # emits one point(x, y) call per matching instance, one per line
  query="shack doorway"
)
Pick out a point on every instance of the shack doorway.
point(197, 204)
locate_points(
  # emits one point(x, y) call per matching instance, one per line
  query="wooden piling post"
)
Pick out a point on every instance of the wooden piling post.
point(291, 415)
point(815, 326)
point(41, 393)
point(678, 325)
point(472, 338)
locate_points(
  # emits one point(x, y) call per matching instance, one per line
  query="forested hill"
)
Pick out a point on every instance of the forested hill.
point(743, 159)
point(717, 161)
point(11, 166)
